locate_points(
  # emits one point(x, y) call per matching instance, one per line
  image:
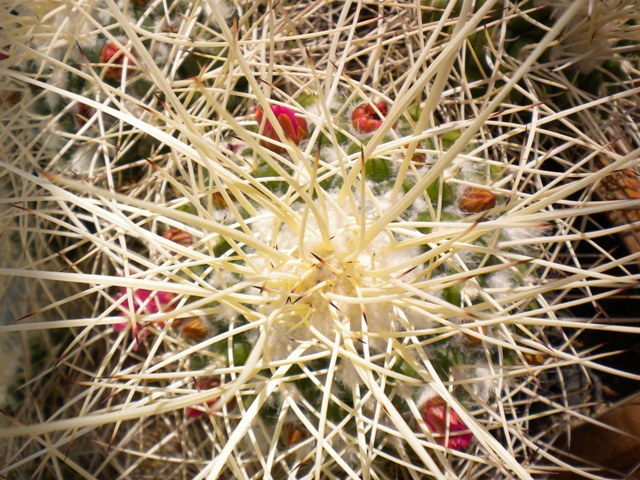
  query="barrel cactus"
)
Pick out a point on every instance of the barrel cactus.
point(295, 243)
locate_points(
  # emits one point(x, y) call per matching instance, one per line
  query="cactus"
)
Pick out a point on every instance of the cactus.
point(289, 262)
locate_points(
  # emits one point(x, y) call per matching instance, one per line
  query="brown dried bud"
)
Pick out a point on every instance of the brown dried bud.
point(418, 158)
point(293, 433)
point(83, 113)
point(533, 359)
point(474, 200)
point(475, 340)
point(13, 98)
point(195, 328)
point(168, 28)
point(219, 202)
point(179, 236)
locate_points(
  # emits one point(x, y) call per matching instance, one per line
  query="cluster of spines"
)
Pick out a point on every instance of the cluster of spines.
point(454, 203)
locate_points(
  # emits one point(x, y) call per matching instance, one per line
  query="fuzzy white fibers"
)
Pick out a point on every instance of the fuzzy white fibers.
point(485, 384)
point(58, 79)
point(502, 281)
point(326, 285)
point(521, 236)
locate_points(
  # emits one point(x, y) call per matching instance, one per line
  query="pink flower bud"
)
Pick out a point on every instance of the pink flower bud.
point(365, 119)
point(141, 304)
point(115, 57)
point(294, 127)
point(443, 421)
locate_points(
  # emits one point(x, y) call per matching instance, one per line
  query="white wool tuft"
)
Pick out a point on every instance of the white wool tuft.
point(348, 375)
point(58, 79)
point(424, 394)
point(324, 282)
point(501, 280)
point(523, 235)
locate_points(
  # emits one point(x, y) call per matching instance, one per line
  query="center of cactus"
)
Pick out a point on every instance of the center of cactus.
point(339, 286)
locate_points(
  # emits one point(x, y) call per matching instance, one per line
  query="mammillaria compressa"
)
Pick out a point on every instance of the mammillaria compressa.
point(311, 239)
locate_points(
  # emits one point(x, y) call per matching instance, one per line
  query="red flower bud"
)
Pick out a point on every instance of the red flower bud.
point(365, 119)
point(112, 55)
point(293, 126)
point(206, 383)
point(443, 421)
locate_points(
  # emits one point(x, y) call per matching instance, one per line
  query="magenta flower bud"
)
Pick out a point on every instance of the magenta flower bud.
point(141, 304)
point(443, 421)
point(293, 126)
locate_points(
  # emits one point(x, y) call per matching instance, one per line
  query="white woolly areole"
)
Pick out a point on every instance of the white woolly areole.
point(424, 395)
point(502, 281)
point(328, 287)
point(484, 385)
point(219, 7)
point(59, 79)
point(521, 237)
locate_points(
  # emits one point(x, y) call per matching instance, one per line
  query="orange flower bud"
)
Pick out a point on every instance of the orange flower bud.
point(475, 340)
point(533, 359)
point(418, 158)
point(293, 433)
point(219, 202)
